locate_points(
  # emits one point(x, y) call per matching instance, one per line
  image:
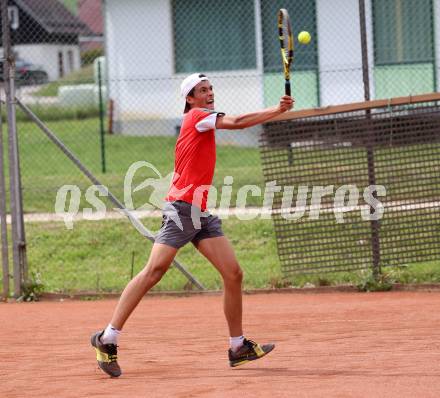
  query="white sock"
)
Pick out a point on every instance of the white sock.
point(111, 335)
point(236, 342)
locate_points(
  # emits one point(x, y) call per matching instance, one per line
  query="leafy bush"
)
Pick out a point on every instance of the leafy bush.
point(87, 57)
point(379, 283)
point(32, 288)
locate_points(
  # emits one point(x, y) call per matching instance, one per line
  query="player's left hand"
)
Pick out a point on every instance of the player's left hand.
point(286, 103)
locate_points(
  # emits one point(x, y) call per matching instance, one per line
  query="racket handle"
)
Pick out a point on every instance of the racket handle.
point(287, 88)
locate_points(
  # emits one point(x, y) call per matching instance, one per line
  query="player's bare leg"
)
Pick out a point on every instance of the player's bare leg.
point(220, 253)
point(160, 260)
point(161, 257)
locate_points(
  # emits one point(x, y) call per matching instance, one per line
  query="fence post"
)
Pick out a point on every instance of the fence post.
point(374, 224)
point(4, 227)
point(17, 222)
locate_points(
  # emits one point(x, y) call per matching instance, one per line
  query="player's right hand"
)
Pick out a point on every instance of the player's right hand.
point(286, 103)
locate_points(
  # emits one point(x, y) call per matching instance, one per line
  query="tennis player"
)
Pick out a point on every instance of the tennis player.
point(186, 219)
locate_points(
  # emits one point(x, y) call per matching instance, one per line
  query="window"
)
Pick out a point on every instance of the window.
point(303, 17)
point(70, 60)
point(403, 31)
point(60, 64)
point(209, 36)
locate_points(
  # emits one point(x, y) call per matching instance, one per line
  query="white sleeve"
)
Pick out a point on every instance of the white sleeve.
point(208, 123)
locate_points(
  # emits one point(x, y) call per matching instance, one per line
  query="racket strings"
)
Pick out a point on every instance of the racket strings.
point(285, 36)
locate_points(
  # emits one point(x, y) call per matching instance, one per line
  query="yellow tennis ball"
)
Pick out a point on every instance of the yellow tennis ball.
point(304, 37)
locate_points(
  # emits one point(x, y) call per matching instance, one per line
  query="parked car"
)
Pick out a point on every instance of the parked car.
point(27, 73)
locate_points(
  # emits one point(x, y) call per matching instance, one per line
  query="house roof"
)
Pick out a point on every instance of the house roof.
point(54, 17)
point(90, 12)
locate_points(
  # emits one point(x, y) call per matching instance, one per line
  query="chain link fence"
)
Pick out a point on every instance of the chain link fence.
point(104, 76)
point(360, 185)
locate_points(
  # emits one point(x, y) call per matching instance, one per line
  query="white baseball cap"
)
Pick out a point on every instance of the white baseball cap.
point(190, 82)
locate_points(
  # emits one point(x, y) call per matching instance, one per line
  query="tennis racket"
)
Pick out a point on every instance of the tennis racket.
point(286, 43)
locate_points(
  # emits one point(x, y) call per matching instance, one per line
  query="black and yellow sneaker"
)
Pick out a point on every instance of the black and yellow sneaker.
point(249, 351)
point(106, 355)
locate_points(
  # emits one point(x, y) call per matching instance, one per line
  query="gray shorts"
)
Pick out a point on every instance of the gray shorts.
point(183, 223)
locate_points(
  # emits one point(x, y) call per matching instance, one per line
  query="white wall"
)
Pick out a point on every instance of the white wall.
point(143, 85)
point(140, 60)
point(46, 55)
point(340, 56)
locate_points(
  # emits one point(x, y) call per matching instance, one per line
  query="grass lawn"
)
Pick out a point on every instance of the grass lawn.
point(45, 168)
point(98, 256)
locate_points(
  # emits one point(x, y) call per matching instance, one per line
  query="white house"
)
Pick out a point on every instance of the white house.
point(151, 45)
point(45, 33)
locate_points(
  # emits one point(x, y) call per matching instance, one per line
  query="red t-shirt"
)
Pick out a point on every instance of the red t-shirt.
point(195, 157)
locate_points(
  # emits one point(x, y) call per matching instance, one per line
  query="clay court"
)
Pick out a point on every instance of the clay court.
point(328, 345)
